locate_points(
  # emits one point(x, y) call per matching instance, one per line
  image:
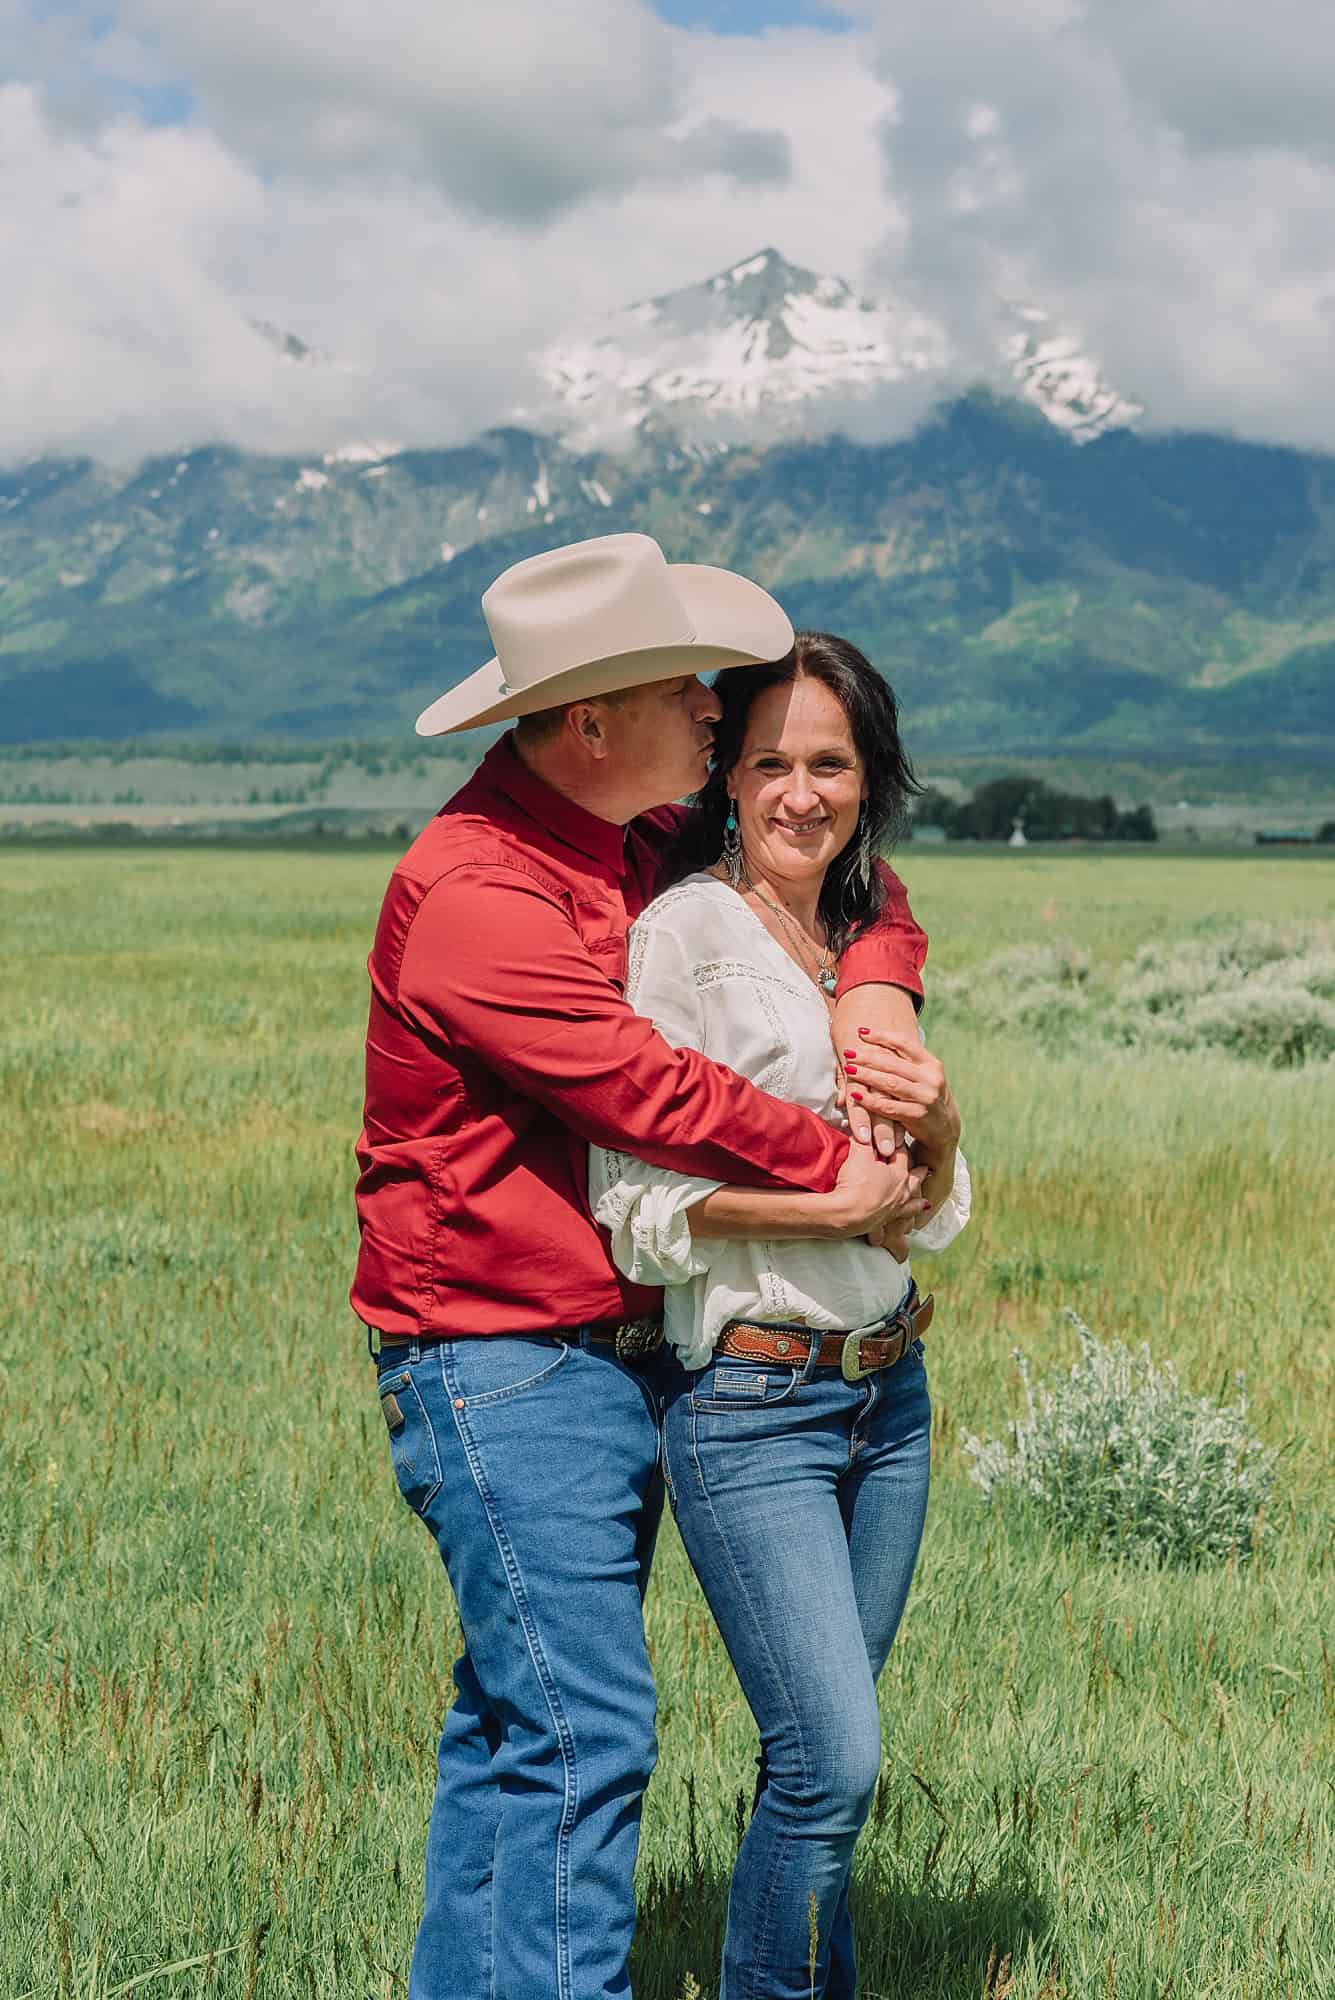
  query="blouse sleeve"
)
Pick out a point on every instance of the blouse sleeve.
point(943, 1227)
point(954, 1212)
point(643, 1207)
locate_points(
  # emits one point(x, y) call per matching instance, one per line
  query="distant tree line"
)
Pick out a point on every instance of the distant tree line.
point(993, 811)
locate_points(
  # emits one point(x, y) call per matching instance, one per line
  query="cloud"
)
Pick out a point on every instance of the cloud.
point(141, 256)
point(137, 261)
point(1159, 177)
point(429, 194)
point(515, 111)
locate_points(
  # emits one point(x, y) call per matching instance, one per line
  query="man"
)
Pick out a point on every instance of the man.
point(516, 1367)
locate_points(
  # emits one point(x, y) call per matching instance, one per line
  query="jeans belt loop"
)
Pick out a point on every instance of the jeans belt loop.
point(812, 1362)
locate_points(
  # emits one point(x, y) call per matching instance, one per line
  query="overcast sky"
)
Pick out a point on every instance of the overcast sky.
point(427, 190)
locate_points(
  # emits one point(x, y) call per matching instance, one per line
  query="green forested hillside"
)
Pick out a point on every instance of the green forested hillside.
point(1135, 597)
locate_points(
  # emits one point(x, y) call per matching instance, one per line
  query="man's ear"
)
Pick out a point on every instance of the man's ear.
point(588, 721)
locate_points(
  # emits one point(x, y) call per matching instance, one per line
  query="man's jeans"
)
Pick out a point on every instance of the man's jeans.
point(801, 1499)
point(534, 1466)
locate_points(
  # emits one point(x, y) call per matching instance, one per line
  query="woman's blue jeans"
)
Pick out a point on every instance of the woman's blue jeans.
point(801, 1499)
point(534, 1466)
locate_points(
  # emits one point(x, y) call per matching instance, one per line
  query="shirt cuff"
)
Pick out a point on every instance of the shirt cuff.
point(651, 1235)
point(952, 1216)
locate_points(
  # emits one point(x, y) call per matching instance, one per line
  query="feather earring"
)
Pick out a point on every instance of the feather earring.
point(864, 851)
point(732, 848)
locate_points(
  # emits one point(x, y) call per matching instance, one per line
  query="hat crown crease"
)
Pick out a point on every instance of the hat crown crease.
point(570, 607)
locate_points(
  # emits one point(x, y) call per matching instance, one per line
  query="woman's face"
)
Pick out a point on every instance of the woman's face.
point(798, 784)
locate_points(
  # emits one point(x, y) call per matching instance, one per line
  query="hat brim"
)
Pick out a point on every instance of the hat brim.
point(737, 624)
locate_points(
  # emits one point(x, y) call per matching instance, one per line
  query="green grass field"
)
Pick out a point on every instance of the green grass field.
point(225, 1645)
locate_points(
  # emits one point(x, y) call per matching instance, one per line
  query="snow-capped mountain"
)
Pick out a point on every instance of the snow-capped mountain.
point(758, 342)
point(765, 346)
point(1059, 378)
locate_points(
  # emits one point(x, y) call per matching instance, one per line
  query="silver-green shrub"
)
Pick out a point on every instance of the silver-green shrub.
point(1117, 1454)
point(1262, 993)
point(1039, 988)
point(1261, 1021)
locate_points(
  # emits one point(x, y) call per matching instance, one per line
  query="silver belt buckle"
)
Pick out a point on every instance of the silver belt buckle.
point(636, 1339)
point(850, 1358)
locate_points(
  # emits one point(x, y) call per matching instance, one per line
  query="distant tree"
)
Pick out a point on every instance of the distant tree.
point(935, 808)
point(1138, 824)
point(1326, 832)
point(1044, 813)
point(994, 808)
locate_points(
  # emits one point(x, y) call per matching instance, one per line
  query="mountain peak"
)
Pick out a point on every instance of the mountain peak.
point(759, 342)
point(773, 347)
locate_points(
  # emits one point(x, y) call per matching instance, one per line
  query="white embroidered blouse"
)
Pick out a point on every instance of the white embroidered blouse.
point(709, 975)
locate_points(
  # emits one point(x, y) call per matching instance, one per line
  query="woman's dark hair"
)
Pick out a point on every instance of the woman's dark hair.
point(846, 907)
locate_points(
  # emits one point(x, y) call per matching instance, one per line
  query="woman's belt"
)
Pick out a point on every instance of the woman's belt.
point(856, 1354)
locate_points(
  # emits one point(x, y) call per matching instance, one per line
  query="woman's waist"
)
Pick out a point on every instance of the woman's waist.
point(833, 1286)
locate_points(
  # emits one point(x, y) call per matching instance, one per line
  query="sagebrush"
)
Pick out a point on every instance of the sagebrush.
point(1118, 1454)
point(1261, 992)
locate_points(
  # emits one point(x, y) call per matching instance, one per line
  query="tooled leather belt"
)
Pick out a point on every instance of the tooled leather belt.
point(855, 1354)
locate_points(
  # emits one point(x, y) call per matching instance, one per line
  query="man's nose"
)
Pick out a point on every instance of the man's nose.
point(706, 707)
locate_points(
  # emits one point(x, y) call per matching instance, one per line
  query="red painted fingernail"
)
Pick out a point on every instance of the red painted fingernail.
point(856, 1096)
point(849, 1052)
point(851, 1068)
point(864, 1031)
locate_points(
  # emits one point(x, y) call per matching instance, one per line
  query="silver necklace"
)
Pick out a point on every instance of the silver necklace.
point(825, 974)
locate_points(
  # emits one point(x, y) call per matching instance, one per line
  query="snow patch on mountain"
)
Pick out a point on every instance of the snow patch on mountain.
point(362, 451)
point(1055, 374)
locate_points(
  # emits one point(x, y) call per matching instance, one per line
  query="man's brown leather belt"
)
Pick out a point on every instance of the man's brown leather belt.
point(856, 1354)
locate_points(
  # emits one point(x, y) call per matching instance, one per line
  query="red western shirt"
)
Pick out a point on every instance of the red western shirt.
point(500, 1045)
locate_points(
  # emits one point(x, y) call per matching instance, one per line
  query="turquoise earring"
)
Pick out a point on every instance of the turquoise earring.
point(732, 848)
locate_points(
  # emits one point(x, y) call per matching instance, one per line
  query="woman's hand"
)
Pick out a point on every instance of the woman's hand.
point(878, 1198)
point(904, 1081)
point(890, 1011)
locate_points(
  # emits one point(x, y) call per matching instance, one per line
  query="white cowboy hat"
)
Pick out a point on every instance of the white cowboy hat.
point(599, 616)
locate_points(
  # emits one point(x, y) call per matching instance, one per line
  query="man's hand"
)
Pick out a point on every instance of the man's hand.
point(874, 1197)
point(903, 1081)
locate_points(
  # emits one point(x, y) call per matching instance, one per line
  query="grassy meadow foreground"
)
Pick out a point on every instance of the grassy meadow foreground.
point(225, 1648)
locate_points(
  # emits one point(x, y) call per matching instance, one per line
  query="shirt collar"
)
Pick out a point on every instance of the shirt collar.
point(599, 839)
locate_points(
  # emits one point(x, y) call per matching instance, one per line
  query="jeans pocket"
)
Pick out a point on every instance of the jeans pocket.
point(730, 1388)
point(412, 1440)
point(490, 1369)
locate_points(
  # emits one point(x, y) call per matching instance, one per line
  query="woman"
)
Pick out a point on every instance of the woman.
point(797, 1466)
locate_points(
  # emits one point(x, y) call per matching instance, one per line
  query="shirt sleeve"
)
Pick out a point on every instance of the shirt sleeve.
point(495, 967)
point(644, 1208)
point(893, 951)
point(951, 1217)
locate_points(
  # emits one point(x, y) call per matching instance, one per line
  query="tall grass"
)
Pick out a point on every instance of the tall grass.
point(225, 1647)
